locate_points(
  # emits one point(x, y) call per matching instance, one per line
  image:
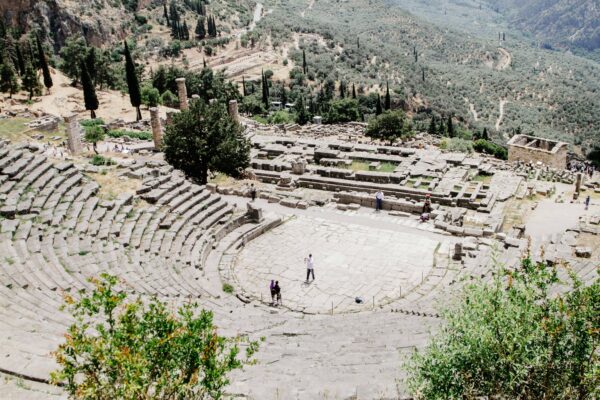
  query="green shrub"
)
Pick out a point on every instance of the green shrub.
point(227, 288)
point(281, 117)
point(491, 148)
point(98, 161)
point(143, 135)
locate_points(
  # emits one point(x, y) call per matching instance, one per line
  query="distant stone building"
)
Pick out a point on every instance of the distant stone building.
point(533, 149)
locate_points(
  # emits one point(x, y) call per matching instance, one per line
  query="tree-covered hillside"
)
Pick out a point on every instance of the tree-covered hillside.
point(467, 63)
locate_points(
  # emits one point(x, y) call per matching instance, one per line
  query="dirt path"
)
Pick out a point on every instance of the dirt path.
point(256, 18)
point(499, 120)
point(505, 60)
point(473, 111)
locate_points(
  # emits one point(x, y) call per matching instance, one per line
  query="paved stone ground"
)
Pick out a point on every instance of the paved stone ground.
point(350, 260)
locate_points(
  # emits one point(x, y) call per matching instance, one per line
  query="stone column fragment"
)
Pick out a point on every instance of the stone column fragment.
point(156, 128)
point(73, 134)
point(233, 110)
point(182, 93)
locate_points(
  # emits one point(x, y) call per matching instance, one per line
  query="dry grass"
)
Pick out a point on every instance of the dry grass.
point(112, 185)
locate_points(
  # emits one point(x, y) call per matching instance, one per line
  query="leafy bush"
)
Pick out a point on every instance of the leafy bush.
point(389, 126)
point(117, 349)
point(169, 99)
point(515, 338)
point(281, 117)
point(150, 96)
point(488, 147)
point(227, 288)
point(98, 161)
point(141, 135)
point(91, 122)
point(344, 110)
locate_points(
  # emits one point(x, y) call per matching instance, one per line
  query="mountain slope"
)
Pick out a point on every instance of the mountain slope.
point(558, 22)
point(466, 66)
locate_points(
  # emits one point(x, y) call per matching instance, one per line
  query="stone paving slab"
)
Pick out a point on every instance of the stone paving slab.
point(351, 261)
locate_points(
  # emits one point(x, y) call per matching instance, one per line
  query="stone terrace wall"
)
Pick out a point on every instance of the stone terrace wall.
point(556, 158)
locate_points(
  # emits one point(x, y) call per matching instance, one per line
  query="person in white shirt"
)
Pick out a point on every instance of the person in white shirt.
point(378, 200)
point(310, 267)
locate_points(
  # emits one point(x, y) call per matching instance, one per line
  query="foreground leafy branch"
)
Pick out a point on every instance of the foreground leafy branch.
point(515, 338)
point(139, 350)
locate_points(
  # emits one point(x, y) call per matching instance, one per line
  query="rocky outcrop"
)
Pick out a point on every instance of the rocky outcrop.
point(100, 22)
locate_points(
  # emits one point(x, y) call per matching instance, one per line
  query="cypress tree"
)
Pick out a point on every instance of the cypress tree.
point(166, 14)
point(186, 31)
point(132, 83)
point(89, 91)
point(30, 79)
point(353, 91)
point(358, 42)
point(442, 128)
point(91, 64)
point(44, 65)
point(20, 61)
point(432, 128)
point(450, 127)
point(265, 90)
point(200, 30)
point(244, 87)
point(485, 135)
point(342, 89)
point(423, 74)
point(388, 99)
point(304, 68)
point(378, 108)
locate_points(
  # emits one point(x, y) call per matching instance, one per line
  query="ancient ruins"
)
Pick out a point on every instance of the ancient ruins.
point(381, 277)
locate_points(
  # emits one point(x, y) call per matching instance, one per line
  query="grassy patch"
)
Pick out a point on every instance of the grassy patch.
point(227, 288)
point(221, 179)
point(482, 178)
point(364, 166)
point(13, 128)
point(98, 160)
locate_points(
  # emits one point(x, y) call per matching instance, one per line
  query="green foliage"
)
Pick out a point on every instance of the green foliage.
point(514, 338)
point(344, 110)
point(302, 114)
point(43, 62)
point(8, 79)
point(150, 96)
point(120, 349)
point(72, 54)
point(281, 117)
point(98, 161)
point(133, 84)
point(140, 135)
point(227, 288)
point(94, 134)
point(488, 147)
point(169, 99)
point(89, 91)
point(252, 104)
point(457, 145)
point(30, 80)
point(389, 126)
point(205, 137)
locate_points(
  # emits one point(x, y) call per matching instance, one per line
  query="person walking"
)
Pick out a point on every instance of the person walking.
point(587, 202)
point(252, 192)
point(277, 290)
point(378, 200)
point(272, 290)
point(310, 267)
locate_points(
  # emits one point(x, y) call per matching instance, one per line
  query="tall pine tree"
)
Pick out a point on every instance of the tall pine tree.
point(388, 99)
point(304, 66)
point(378, 107)
point(353, 91)
point(432, 128)
point(244, 93)
point(89, 91)
point(133, 83)
point(8, 78)
point(265, 91)
point(450, 127)
point(91, 61)
point(200, 29)
point(43, 62)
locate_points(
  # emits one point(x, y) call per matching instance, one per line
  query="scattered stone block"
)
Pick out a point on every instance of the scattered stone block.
point(583, 252)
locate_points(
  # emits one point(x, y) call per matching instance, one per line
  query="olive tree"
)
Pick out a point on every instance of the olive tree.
point(516, 338)
point(121, 349)
point(390, 126)
point(206, 138)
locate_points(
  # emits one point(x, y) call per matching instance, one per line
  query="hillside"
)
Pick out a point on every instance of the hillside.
point(469, 73)
point(563, 23)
